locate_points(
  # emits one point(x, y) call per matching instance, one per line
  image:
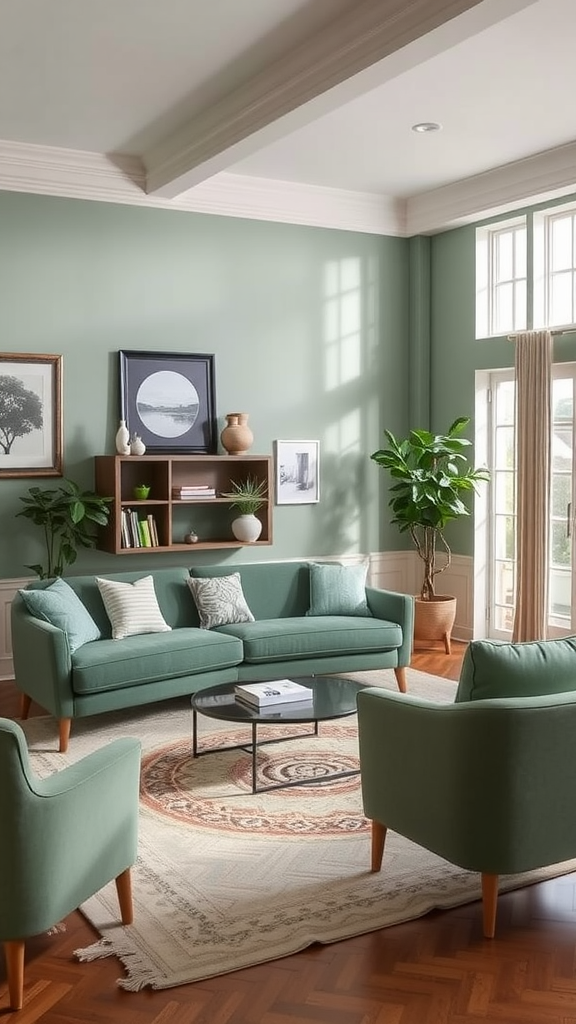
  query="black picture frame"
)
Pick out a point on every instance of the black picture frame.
point(169, 400)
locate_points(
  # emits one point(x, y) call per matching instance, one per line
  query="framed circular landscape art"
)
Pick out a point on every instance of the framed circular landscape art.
point(168, 398)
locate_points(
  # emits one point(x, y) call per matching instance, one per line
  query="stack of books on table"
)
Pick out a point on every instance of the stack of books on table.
point(280, 691)
point(191, 492)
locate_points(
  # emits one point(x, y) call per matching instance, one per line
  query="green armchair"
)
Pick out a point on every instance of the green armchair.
point(62, 839)
point(487, 784)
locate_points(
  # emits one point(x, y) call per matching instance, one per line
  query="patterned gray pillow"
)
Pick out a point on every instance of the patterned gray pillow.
point(220, 600)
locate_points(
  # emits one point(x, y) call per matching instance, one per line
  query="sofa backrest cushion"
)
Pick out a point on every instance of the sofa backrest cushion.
point(273, 590)
point(492, 669)
point(174, 600)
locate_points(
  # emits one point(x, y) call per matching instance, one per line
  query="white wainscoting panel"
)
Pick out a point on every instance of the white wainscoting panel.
point(7, 590)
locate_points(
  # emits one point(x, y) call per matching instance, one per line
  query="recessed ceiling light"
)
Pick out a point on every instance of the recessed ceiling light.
point(427, 126)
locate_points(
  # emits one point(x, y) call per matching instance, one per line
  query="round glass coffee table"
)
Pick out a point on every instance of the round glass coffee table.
point(332, 697)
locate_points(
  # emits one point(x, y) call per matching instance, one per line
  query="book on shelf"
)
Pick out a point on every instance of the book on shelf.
point(145, 539)
point(203, 494)
point(153, 531)
point(279, 691)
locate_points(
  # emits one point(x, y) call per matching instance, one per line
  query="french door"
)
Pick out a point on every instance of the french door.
point(502, 516)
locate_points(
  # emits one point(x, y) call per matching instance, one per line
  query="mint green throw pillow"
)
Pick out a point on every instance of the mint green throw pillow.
point(337, 589)
point(59, 605)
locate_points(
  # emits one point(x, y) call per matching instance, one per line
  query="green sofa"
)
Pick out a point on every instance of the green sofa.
point(107, 674)
point(487, 782)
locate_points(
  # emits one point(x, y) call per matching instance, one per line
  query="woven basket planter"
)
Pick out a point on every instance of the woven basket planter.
point(433, 620)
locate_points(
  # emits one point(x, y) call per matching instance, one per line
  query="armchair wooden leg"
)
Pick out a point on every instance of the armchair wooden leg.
point(401, 679)
point(378, 840)
point(124, 890)
point(25, 704)
point(14, 954)
point(489, 902)
point(64, 733)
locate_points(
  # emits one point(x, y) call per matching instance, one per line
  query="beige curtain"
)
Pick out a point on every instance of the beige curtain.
point(533, 444)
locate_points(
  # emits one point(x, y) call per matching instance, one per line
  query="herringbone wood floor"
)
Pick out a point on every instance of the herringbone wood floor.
point(438, 970)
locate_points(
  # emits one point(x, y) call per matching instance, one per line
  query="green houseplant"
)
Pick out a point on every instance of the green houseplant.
point(430, 474)
point(248, 496)
point(68, 517)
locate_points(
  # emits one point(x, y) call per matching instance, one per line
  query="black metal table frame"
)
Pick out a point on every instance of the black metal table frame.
point(253, 749)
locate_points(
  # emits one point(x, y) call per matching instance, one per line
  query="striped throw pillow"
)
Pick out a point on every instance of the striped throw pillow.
point(132, 607)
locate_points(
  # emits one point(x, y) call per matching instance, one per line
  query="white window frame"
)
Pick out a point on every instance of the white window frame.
point(542, 265)
point(486, 285)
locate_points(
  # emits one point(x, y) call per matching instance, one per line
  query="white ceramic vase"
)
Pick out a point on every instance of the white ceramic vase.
point(137, 446)
point(247, 528)
point(123, 439)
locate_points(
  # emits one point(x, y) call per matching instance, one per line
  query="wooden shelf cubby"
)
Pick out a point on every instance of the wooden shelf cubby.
point(116, 476)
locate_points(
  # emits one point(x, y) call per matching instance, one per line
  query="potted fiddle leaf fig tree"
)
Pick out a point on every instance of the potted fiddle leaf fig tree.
point(248, 496)
point(430, 474)
point(69, 518)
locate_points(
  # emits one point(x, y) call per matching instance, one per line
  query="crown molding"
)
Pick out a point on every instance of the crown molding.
point(536, 179)
point(74, 174)
point(311, 80)
point(71, 174)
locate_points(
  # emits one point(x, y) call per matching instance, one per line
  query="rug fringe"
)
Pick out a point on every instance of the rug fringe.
point(97, 951)
point(140, 974)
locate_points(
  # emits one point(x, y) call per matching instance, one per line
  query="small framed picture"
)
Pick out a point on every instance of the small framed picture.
point(297, 472)
point(168, 398)
point(30, 415)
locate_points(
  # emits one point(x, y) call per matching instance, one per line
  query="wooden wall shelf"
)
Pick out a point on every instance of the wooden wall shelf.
point(210, 518)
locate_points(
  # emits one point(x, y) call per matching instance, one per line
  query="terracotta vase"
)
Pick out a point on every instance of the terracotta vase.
point(236, 437)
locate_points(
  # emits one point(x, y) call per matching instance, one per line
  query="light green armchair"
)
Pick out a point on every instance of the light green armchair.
point(62, 839)
point(487, 784)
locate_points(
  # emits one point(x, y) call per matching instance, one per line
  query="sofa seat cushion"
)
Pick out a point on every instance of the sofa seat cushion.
point(108, 665)
point(532, 669)
point(306, 637)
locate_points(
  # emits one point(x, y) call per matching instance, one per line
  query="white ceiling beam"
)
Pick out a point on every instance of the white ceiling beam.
point(371, 43)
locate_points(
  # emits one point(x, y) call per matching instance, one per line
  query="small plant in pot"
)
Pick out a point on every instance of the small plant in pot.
point(68, 517)
point(430, 473)
point(248, 496)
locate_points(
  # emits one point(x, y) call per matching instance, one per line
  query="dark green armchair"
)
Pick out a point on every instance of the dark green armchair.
point(62, 838)
point(487, 784)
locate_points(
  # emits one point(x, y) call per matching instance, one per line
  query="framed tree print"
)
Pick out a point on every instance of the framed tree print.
point(168, 398)
point(30, 415)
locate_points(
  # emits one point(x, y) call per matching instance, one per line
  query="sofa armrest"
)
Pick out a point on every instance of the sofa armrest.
point(42, 661)
point(386, 604)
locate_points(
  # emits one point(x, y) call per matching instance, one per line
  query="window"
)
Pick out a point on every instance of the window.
point(555, 267)
point(501, 278)
point(526, 273)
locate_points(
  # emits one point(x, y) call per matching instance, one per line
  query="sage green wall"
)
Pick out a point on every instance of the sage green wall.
point(308, 327)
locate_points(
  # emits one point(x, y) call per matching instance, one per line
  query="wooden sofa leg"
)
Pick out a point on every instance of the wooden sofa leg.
point(124, 890)
point(378, 840)
point(14, 955)
point(489, 902)
point(401, 679)
point(64, 725)
point(25, 705)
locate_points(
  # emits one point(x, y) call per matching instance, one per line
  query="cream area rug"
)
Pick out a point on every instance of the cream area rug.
point(226, 879)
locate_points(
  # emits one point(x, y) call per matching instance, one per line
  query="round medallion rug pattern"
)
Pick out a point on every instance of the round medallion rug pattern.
point(214, 790)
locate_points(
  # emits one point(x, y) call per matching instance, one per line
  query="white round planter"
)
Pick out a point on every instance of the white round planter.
point(247, 528)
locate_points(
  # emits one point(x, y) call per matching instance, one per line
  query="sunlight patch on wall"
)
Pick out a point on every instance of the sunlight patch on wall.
point(342, 322)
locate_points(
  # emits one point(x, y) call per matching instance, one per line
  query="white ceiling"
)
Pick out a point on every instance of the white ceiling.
point(296, 110)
